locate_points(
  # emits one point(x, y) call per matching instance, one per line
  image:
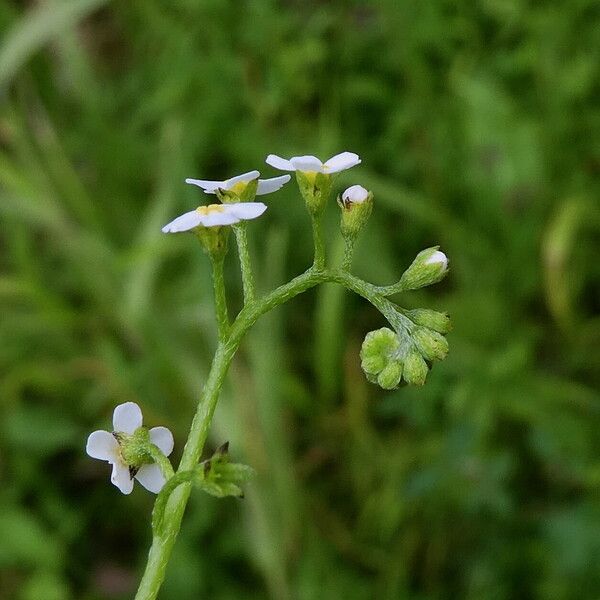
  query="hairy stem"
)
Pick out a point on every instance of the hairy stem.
point(348, 252)
point(171, 504)
point(317, 230)
point(220, 297)
point(245, 262)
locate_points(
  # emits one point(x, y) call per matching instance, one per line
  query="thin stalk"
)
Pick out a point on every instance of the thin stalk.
point(348, 252)
point(245, 262)
point(317, 230)
point(220, 296)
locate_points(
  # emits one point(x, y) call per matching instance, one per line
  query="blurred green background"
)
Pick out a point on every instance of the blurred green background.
point(479, 128)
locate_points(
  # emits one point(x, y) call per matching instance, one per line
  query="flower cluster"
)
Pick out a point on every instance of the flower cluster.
point(237, 193)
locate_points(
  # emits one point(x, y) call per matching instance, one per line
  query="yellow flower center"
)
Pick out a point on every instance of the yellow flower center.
point(211, 208)
point(310, 175)
point(238, 187)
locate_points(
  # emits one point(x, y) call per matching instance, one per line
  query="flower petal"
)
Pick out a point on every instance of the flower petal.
point(266, 186)
point(355, 194)
point(243, 178)
point(185, 222)
point(215, 219)
point(163, 438)
point(121, 477)
point(127, 417)
point(437, 257)
point(247, 210)
point(103, 446)
point(279, 163)
point(151, 477)
point(341, 162)
point(306, 163)
point(208, 186)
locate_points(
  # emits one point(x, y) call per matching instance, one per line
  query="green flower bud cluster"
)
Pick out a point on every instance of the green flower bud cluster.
point(387, 357)
point(381, 358)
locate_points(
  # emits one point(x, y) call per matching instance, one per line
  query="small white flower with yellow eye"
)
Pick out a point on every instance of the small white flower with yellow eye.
point(238, 183)
point(127, 428)
point(215, 215)
point(311, 164)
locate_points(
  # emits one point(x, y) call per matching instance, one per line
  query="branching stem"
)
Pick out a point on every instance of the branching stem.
point(171, 502)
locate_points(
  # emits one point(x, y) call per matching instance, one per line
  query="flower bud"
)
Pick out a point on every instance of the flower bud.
point(315, 188)
point(377, 348)
point(390, 376)
point(431, 344)
point(356, 204)
point(430, 318)
point(380, 358)
point(415, 369)
point(429, 266)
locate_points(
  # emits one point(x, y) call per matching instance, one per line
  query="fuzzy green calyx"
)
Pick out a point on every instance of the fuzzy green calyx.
point(219, 477)
point(354, 214)
point(315, 188)
point(415, 369)
point(432, 319)
point(429, 266)
point(431, 344)
point(213, 240)
point(135, 447)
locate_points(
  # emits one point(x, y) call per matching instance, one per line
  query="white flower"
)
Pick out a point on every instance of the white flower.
point(438, 257)
point(103, 445)
point(215, 215)
point(339, 162)
point(237, 183)
point(355, 194)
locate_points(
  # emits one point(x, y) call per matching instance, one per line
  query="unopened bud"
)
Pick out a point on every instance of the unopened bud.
point(430, 318)
point(431, 344)
point(390, 376)
point(415, 369)
point(356, 204)
point(429, 266)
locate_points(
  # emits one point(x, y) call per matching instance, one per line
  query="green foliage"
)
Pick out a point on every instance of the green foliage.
point(477, 124)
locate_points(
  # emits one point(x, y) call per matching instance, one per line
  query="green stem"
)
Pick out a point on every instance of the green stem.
point(348, 252)
point(389, 290)
point(171, 503)
point(319, 261)
point(163, 497)
point(245, 262)
point(220, 296)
